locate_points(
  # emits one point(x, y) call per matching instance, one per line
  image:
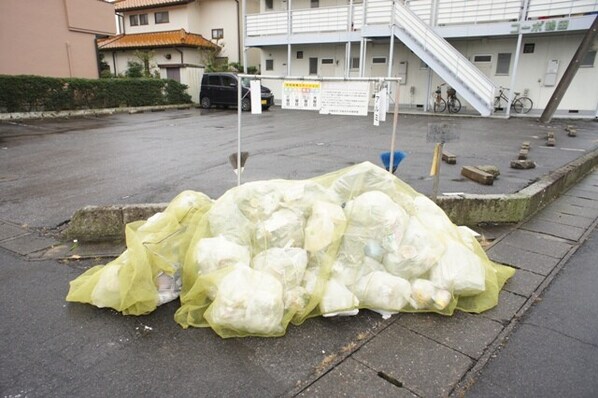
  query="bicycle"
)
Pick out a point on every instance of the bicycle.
point(452, 102)
point(519, 104)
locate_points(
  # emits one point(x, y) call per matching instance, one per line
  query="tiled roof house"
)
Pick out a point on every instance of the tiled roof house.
point(175, 32)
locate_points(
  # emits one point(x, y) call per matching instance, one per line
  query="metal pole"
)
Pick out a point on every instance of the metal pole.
point(239, 110)
point(395, 120)
point(391, 50)
point(514, 75)
point(563, 85)
point(244, 27)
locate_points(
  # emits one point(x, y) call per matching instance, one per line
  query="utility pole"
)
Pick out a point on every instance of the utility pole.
point(561, 88)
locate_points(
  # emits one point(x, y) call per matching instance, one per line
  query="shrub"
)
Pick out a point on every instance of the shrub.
point(35, 93)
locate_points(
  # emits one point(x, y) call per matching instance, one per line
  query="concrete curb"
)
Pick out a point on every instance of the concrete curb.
point(88, 112)
point(103, 223)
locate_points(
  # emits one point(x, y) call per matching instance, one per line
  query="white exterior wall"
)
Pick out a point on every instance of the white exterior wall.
point(177, 17)
point(219, 14)
point(191, 76)
point(581, 96)
point(118, 60)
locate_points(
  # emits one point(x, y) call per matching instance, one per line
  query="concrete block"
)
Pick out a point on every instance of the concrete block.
point(550, 141)
point(525, 145)
point(522, 164)
point(141, 211)
point(523, 154)
point(449, 157)
point(477, 175)
point(93, 223)
point(572, 133)
point(490, 169)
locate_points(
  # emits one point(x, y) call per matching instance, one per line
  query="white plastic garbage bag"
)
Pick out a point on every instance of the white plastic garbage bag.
point(248, 302)
point(212, 254)
point(326, 219)
point(459, 270)
point(286, 264)
point(419, 250)
point(338, 300)
point(383, 292)
point(283, 228)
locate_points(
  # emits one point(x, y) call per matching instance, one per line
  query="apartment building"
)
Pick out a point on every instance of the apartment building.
point(474, 46)
point(55, 38)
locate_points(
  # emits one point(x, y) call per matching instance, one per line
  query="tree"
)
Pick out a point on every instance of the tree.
point(145, 56)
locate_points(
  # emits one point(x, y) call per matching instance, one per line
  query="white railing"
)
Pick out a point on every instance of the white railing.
point(482, 11)
point(421, 8)
point(378, 12)
point(271, 23)
point(552, 8)
point(445, 53)
point(324, 19)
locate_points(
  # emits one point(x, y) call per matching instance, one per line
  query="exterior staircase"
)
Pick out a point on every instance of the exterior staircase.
point(471, 84)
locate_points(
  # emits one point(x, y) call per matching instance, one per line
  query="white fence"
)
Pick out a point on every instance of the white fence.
point(378, 12)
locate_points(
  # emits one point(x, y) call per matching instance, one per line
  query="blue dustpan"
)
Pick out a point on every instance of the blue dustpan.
point(397, 158)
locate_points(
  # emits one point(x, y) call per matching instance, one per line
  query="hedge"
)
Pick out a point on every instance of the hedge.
point(24, 93)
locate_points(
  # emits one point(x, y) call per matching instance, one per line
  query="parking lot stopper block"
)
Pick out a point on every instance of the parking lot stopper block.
point(572, 133)
point(550, 141)
point(449, 158)
point(525, 145)
point(490, 169)
point(523, 154)
point(522, 164)
point(477, 175)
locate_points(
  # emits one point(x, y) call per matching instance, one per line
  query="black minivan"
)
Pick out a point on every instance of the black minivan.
point(220, 88)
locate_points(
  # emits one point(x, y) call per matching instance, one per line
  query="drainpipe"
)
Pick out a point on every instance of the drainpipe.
point(348, 48)
point(239, 29)
point(244, 24)
point(514, 76)
point(289, 27)
point(391, 50)
point(114, 62)
point(180, 52)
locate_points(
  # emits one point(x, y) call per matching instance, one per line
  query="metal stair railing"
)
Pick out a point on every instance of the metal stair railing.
point(457, 70)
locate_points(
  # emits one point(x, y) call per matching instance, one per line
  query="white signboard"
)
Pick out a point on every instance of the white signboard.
point(303, 95)
point(256, 97)
point(380, 104)
point(345, 98)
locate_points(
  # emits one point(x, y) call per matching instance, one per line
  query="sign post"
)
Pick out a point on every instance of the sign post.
point(439, 133)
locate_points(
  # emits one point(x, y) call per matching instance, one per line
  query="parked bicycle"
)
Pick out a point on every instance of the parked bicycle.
point(452, 102)
point(519, 104)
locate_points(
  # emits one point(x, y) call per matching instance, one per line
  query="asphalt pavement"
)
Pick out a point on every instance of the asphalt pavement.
point(539, 341)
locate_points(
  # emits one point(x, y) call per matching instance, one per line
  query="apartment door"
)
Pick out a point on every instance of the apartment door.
point(313, 66)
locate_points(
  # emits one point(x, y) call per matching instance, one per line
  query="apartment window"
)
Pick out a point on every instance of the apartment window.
point(313, 66)
point(161, 17)
point(134, 20)
point(503, 63)
point(269, 64)
point(528, 48)
point(269, 4)
point(143, 20)
point(379, 60)
point(355, 63)
point(327, 61)
point(299, 54)
point(482, 59)
point(314, 3)
point(217, 33)
point(588, 60)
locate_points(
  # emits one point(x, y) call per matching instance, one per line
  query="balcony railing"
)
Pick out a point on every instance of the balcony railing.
point(378, 12)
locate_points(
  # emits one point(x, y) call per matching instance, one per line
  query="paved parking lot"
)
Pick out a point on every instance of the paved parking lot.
point(51, 168)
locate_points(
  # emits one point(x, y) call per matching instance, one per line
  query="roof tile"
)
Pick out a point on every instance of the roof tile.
point(154, 40)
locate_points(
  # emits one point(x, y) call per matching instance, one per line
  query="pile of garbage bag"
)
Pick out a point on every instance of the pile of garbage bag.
point(275, 252)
